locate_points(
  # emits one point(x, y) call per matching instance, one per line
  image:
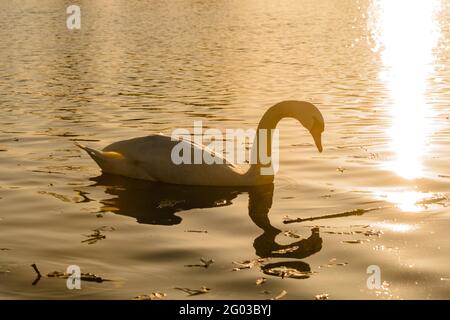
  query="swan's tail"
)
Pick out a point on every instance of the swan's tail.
point(104, 159)
point(92, 152)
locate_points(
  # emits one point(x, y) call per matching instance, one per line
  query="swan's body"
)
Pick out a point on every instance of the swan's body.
point(149, 157)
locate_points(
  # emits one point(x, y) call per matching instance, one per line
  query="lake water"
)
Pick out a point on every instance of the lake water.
point(378, 71)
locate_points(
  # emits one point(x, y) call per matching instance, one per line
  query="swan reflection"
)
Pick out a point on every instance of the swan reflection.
point(158, 204)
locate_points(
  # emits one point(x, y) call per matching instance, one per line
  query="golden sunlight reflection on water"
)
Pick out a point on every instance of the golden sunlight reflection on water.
point(395, 227)
point(406, 39)
point(405, 200)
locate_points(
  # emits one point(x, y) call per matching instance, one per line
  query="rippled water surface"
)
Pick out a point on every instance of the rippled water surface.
point(377, 195)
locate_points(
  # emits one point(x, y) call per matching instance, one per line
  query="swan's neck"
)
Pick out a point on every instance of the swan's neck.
point(261, 154)
point(265, 160)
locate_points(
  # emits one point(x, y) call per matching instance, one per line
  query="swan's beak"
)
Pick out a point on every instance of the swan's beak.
point(318, 140)
point(316, 132)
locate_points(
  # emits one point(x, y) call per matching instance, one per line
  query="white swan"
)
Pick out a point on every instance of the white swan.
point(149, 157)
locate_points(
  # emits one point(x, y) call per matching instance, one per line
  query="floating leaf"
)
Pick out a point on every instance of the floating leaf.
point(291, 234)
point(287, 250)
point(151, 296)
point(323, 296)
point(285, 272)
point(280, 295)
point(247, 264)
point(260, 281)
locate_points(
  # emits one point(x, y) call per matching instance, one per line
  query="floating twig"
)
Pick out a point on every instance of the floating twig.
point(89, 277)
point(356, 212)
point(197, 231)
point(204, 263)
point(194, 292)
point(38, 277)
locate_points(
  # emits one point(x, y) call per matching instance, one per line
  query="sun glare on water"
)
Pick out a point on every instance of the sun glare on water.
point(405, 33)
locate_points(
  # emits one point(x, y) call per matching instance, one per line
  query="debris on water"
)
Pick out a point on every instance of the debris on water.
point(58, 196)
point(286, 272)
point(94, 237)
point(260, 281)
point(323, 296)
point(291, 234)
point(339, 232)
point(38, 274)
point(221, 203)
point(5, 249)
point(97, 235)
point(204, 263)
point(340, 169)
point(265, 292)
point(169, 203)
point(287, 250)
point(355, 212)
point(194, 292)
point(359, 226)
point(197, 231)
point(432, 200)
point(372, 232)
point(367, 232)
point(333, 262)
point(89, 277)
point(99, 215)
point(247, 264)
point(280, 295)
point(151, 296)
point(287, 219)
point(35, 268)
point(352, 241)
point(105, 228)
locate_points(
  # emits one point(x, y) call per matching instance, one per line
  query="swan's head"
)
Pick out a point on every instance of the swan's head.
point(311, 118)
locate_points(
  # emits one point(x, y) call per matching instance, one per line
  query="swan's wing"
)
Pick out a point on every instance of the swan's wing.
point(152, 156)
